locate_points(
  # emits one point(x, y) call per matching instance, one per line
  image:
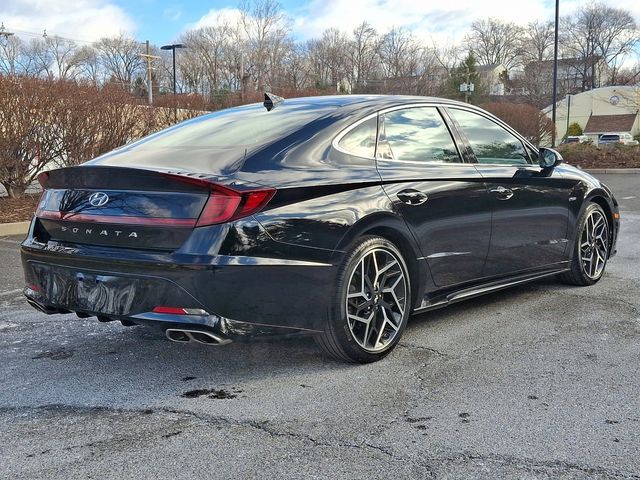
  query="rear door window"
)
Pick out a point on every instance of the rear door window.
point(416, 134)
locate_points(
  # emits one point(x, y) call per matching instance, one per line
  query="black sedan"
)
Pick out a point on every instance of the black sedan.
point(333, 216)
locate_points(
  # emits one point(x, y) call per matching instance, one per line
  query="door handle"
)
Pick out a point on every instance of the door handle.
point(502, 193)
point(412, 197)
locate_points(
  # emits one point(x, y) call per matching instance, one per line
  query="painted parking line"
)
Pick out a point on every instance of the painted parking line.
point(629, 198)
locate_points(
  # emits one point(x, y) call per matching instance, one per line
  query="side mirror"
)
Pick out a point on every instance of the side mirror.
point(549, 158)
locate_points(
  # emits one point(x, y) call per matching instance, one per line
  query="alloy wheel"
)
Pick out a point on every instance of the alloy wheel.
point(376, 299)
point(593, 244)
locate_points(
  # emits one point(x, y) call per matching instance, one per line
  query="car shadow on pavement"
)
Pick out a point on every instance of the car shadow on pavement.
point(102, 356)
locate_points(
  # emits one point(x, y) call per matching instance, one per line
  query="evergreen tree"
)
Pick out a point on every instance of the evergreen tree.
point(466, 72)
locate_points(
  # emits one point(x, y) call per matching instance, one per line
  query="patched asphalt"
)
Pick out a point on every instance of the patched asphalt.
point(539, 381)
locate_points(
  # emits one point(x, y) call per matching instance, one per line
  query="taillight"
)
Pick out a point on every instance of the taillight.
point(225, 203)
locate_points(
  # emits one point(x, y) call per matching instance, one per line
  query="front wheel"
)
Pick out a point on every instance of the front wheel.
point(371, 303)
point(591, 249)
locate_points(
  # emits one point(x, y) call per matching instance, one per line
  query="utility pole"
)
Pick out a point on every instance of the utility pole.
point(568, 114)
point(4, 33)
point(149, 58)
point(555, 75)
point(466, 92)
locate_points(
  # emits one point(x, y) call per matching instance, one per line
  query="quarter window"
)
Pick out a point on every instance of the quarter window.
point(490, 142)
point(416, 135)
point(361, 140)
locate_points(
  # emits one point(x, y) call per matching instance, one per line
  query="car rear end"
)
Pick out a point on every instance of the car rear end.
point(177, 250)
point(608, 139)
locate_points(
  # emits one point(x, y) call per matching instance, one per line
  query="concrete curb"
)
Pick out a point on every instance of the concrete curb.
point(612, 170)
point(17, 228)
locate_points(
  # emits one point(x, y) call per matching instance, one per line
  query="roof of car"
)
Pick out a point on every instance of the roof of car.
point(380, 101)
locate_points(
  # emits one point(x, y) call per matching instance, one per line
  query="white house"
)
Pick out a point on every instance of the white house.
point(598, 111)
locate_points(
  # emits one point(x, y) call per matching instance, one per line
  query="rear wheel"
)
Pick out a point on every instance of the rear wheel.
point(591, 249)
point(371, 303)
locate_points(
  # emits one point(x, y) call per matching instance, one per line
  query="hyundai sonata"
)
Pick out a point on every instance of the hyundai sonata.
point(334, 216)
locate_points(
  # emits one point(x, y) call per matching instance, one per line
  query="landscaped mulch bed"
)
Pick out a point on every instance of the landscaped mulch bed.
point(18, 209)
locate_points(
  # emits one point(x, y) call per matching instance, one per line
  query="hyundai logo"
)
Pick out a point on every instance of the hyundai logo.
point(98, 199)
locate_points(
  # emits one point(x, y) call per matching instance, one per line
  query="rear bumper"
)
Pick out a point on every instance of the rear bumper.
point(240, 295)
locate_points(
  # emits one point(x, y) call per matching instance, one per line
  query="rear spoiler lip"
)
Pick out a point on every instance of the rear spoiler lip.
point(48, 179)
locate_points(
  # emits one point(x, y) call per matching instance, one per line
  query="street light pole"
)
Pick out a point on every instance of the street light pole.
point(173, 48)
point(555, 75)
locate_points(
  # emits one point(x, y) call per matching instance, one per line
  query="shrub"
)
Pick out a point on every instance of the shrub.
point(530, 122)
point(46, 123)
point(574, 130)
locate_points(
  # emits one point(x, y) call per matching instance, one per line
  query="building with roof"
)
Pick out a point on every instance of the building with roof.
point(574, 74)
point(598, 111)
point(492, 78)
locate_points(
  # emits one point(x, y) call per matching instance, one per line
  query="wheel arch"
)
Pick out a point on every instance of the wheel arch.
point(395, 230)
point(600, 198)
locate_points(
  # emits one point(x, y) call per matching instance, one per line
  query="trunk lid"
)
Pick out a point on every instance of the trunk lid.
point(130, 207)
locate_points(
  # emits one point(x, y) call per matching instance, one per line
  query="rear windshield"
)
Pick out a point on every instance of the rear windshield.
point(237, 127)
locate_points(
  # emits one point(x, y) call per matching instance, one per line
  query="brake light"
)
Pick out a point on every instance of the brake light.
point(225, 203)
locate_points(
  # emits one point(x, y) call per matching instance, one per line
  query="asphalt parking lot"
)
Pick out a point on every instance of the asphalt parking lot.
point(540, 381)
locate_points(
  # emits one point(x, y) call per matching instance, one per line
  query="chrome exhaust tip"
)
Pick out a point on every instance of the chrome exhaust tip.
point(195, 336)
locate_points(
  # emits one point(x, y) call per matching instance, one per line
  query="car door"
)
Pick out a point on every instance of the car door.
point(442, 199)
point(530, 204)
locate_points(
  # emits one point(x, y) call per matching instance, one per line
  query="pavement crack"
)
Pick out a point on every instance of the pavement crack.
point(423, 348)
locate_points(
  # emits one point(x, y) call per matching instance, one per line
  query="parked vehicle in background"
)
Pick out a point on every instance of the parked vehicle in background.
point(612, 138)
point(577, 139)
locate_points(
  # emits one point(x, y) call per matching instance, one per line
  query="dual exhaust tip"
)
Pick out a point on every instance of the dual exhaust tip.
point(195, 336)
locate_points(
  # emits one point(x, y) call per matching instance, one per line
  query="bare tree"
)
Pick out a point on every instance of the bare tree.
point(495, 42)
point(266, 27)
point(399, 52)
point(363, 54)
point(296, 68)
point(88, 64)
point(537, 41)
point(10, 52)
point(41, 58)
point(120, 58)
point(598, 33)
point(63, 55)
point(329, 57)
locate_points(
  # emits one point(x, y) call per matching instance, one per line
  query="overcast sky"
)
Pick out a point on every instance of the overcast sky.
point(162, 21)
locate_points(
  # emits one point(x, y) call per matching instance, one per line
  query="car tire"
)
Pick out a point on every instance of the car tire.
point(371, 303)
point(590, 249)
